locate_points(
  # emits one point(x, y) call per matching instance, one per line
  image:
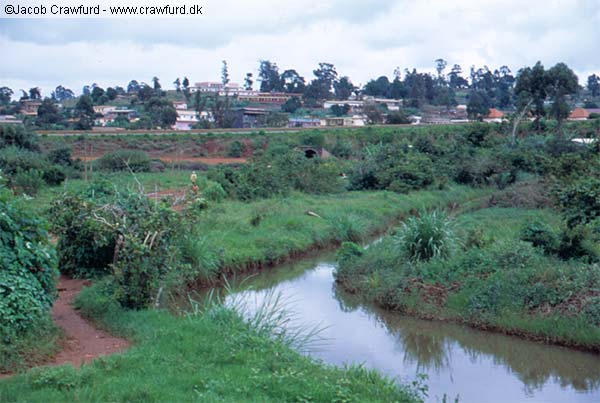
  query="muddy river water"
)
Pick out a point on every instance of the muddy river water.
point(458, 361)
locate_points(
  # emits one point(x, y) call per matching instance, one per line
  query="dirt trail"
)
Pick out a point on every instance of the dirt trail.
point(84, 341)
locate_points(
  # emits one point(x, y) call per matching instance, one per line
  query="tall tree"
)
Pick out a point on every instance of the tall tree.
point(225, 73)
point(268, 75)
point(61, 93)
point(325, 75)
point(35, 93)
point(177, 84)
point(343, 88)
point(292, 82)
point(478, 106)
point(593, 85)
point(156, 84)
point(530, 89)
point(133, 87)
point(248, 82)
point(48, 114)
point(562, 82)
point(440, 66)
point(5, 95)
point(84, 111)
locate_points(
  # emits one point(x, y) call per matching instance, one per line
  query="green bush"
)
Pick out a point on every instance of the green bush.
point(123, 160)
point(214, 192)
point(541, 235)
point(580, 202)
point(236, 149)
point(28, 182)
point(17, 136)
point(28, 276)
point(427, 236)
point(14, 160)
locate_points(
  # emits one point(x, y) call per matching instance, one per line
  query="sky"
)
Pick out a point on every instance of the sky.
point(364, 39)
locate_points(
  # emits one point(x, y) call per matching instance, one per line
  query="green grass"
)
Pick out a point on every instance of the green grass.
point(499, 282)
point(212, 356)
point(34, 347)
point(266, 232)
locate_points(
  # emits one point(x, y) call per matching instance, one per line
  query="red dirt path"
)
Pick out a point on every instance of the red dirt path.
point(84, 341)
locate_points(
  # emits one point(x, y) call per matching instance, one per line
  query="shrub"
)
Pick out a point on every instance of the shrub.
point(236, 149)
point(14, 160)
point(214, 192)
point(28, 275)
point(122, 160)
point(425, 237)
point(28, 182)
point(17, 136)
point(580, 202)
point(541, 235)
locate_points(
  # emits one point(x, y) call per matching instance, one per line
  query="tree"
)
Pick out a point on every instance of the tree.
point(98, 95)
point(111, 93)
point(378, 88)
point(373, 114)
point(61, 93)
point(186, 88)
point(562, 82)
point(291, 105)
point(133, 87)
point(440, 66)
point(343, 88)
point(456, 79)
point(161, 111)
point(339, 111)
point(177, 84)
point(268, 75)
point(35, 93)
point(248, 82)
point(145, 92)
point(48, 113)
point(156, 85)
point(478, 106)
point(530, 89)
point(292, 82)
point(5, 95)
point(593, 85)
point(225, 73)
point(84, 111)
point(325, 75)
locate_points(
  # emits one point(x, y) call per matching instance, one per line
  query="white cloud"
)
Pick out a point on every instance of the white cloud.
point(364, 39)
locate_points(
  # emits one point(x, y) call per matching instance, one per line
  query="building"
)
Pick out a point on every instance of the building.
point(180, 105)
point(211, 87)
point(579, 114)
point(304, 122)
point(104, 109)
point(30, 107)
point(274, 98)
point(10, 120)
point(186, 119)
point(110, 114)
point(495, 116)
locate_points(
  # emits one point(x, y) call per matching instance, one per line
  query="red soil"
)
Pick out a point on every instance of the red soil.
point(84, 341)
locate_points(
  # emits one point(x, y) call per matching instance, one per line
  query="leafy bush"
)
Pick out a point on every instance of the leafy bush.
point(214, 192)
point(85, 247)
point(541, 235)
point(427, 236)
point(28, 182)
point(393, 168)
point(17, 136)
point(580, 202)
point(28, 276)
point(123, 160)
point(14, 160)
point(236, 149)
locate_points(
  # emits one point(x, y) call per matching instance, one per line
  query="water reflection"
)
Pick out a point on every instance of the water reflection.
point(475, 365)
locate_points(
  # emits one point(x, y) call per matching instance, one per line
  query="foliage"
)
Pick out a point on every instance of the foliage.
point(580, 202)
point(123, 160)
point(17, 136)
point(28, 182)
point(236, 149)
point(428, 236)
point(28, 276)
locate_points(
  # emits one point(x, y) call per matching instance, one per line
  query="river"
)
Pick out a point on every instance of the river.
point(458, 361)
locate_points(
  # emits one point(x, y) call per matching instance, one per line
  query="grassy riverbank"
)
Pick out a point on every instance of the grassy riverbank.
point(210, 356)
point(236, 237)
point(494, 281)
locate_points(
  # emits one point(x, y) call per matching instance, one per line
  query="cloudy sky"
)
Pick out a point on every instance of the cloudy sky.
point(363, 38)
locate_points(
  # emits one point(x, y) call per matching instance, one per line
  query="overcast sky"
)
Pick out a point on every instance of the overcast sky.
point(363, 38)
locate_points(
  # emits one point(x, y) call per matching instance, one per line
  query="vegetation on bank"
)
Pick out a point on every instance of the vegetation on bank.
point(213, 355)
point(488, 269)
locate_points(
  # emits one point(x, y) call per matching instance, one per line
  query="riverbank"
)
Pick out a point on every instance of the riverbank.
point(496, 282)
point(208, 356)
